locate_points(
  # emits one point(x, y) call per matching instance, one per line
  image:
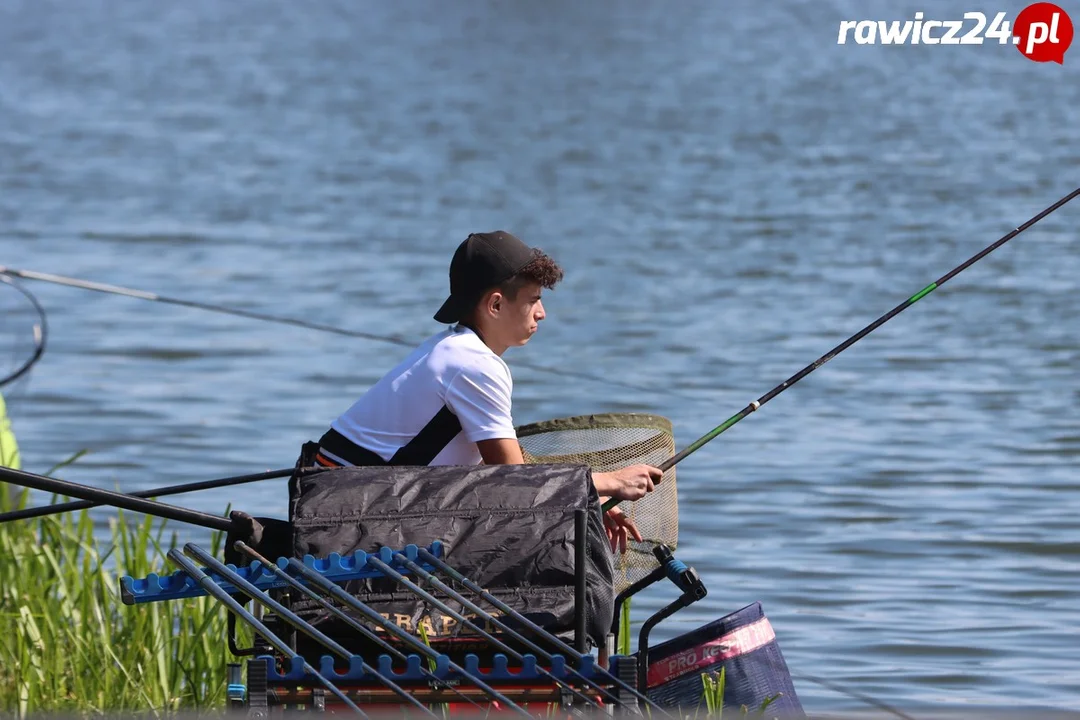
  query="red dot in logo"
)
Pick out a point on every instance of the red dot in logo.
point(1043, 32)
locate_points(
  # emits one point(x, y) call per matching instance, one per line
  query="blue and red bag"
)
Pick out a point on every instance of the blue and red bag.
point(744, 644)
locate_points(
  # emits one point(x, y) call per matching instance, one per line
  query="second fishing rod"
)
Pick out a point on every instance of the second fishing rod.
point(531, 646)
point(368, 634)
point(327, 586)
point(106, 288)
point(491, 638)
point(756, 404)
point(197, 553)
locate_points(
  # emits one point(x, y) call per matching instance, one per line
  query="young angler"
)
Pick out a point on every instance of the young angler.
point(448, 401)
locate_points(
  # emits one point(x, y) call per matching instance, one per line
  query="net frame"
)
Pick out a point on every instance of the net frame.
point(609, 441)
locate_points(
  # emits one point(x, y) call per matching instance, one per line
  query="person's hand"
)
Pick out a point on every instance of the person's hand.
point(628, 483)
point(619, 529)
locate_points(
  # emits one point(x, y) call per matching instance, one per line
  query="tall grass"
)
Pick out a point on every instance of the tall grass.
point(68, 644)
point(712, 692)
point(624, 629)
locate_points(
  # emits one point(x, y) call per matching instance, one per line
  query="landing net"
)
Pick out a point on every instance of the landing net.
point(609, 442)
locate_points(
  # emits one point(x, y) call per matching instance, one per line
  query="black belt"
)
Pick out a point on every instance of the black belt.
point(421, 450)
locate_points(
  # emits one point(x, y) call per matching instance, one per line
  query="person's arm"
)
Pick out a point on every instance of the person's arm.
point(628, 483)
point(479, 395)
point(500, 451)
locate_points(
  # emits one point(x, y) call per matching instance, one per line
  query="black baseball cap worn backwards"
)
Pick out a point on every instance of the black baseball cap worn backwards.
point(480, 263)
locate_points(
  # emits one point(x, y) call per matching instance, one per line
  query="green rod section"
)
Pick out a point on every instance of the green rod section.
point(698, 444)
point(922, 293)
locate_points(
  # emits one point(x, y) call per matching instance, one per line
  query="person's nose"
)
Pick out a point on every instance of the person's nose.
point(539, 314)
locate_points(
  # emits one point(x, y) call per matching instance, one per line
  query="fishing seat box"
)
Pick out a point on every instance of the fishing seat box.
point(509, 528)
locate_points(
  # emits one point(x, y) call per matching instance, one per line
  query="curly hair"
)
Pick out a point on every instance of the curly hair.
point(541, 270)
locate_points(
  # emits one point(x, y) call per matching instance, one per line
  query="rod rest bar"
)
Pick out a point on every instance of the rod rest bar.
point(501, 668)
point(685, 578)
point(335, 567)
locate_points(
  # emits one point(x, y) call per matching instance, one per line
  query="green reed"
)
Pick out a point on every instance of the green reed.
point(712, 692)
point(68, 644)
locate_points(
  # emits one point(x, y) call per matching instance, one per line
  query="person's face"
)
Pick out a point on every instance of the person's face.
point(516, 320)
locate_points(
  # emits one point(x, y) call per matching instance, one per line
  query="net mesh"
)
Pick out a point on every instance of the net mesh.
point(609, 442)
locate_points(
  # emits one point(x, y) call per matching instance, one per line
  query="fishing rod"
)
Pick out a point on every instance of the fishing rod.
point(28, 513)
point(753, 406)
point(40, 331)
point(862, 697)
point(237, 609)
point(116, 499)
point(328, 587)
point(368, 634)
point(282, 320)
point(515, 635)
point(456, 575)
point(466, 622)
point(293, 620)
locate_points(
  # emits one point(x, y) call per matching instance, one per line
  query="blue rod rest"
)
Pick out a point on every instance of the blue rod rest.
point(157, 588)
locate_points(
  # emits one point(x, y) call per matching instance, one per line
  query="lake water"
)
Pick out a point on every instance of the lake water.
point(732, 194)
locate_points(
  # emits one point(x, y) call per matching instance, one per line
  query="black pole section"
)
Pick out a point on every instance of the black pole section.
point(526, 622)
point(499, 644)
point(872, 702)
point(480, 612)
point(352, 622)
point(402, 342)
point(651, 579)
point(120, 500)
point(28, 513)
point(581, 528)
point(215, 591)
point(41, 332)
point(753, 406)
point(349, 601)
point(295, 621)
point(684, 600)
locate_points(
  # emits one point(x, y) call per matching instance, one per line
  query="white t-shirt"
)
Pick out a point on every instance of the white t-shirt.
point(454, 369)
